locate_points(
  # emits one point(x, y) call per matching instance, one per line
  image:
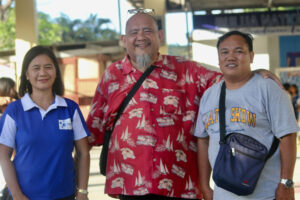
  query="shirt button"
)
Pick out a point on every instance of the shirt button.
point(153, 125)
point(154, 159)
point(152, 109)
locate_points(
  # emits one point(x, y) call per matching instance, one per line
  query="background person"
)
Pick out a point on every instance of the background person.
point(269, 106)
point(43, 128)
point(8, 94)
point(293, 89)
point(286, 87)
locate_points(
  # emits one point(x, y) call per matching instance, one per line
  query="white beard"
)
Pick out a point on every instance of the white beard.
point(143, 61)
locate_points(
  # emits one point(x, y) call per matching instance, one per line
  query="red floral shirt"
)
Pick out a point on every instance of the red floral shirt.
point(152, 148)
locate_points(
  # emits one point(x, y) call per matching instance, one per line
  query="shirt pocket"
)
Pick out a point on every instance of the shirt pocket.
point(173, 101)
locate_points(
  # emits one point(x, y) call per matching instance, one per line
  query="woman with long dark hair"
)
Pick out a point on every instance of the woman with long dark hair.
point(43, 128)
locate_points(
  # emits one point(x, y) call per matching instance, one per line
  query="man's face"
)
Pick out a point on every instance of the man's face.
point(142, 37)
point(235, 57)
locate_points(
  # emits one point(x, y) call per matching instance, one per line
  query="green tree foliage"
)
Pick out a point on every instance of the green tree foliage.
point(59, 30)
point(69, 28)
point(49, 32)
point(98, 28)
point(92, 29)
point(8, 31)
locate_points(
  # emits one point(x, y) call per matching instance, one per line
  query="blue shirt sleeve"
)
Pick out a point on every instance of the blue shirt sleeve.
point(8, 129)
point(79, 126)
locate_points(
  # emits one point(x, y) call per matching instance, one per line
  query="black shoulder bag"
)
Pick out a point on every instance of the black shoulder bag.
point(240, 158)
point(107, 134)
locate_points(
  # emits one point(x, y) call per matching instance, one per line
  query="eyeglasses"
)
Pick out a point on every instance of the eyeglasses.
point(148, 11)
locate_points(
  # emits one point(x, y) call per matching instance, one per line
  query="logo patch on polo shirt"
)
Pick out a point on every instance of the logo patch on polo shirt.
point(65, 124)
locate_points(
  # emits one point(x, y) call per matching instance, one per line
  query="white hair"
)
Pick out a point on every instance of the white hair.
point(143, 61)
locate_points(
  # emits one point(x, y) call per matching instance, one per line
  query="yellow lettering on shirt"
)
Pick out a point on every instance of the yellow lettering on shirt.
point(216, 114)
point(233, 117)
point(210, 119)
point(240, 115)
point(237, 113)
point(243, 115)
point(251, 118)
point(206, 125)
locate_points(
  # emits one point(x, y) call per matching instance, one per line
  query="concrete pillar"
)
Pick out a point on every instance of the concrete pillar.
point(158, 5)
point(26, 30)
point(273, 50)
point(160, 9)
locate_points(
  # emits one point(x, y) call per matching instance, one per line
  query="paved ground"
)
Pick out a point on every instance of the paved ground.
point(96, 181)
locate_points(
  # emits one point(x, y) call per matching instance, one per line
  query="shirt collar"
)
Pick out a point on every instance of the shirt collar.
point(127, 66)
point(28, 104)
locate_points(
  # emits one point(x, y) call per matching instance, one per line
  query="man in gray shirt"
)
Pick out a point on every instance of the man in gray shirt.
point(256, 107)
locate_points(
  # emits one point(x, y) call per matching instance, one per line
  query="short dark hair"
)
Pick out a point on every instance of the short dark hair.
point(25, 86)
point(286, 86)
point(6, 87)
point(248, 38)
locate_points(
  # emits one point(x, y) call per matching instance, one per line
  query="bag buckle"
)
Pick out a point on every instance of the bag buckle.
point(233, 151)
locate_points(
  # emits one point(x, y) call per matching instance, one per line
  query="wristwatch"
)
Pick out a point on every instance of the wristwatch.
point(82, 191)
point(287, 182)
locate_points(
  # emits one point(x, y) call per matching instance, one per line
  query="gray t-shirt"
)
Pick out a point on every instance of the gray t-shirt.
point(260, 109)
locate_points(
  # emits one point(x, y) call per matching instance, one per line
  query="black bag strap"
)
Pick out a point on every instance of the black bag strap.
point(129, 96)
point(222, 113)
point(273, 148)
point(222, 122)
